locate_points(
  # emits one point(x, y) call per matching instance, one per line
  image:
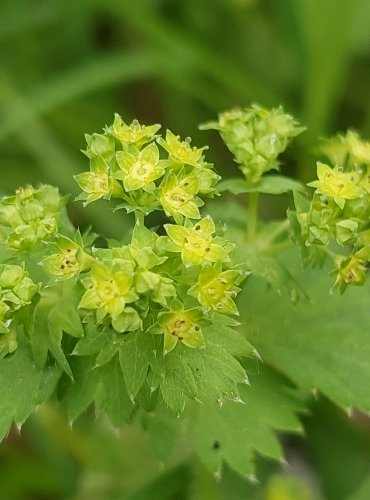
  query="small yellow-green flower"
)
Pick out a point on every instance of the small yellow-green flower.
point(132, 134)
point(359, 149)
point(98, 183)
point(207, 179)
point(351, 271)
point(197, 243)
point(181, 326)
point(178, 196)
point(216, 289)
point(69, 261)
point(181, 151)
point(335, 149)
point(139, 169)
point(109, 289)
point(336, 184)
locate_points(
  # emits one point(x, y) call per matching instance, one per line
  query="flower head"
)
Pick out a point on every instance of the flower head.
point(256, 136)
point(132, 134)
point(69, 261)
point(181, 151)
point(109, 289)
point(216, 289)
point(359, 149)
point(181, 326)
point(98, 183)
point(351, 271)
point(197, 243)
point(178, 196)
point(139, 169)
point(336, 184)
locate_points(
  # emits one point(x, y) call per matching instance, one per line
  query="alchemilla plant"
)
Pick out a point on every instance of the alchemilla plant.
point(148, 328)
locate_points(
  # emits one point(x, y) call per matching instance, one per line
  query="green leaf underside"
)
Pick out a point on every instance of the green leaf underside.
point(269, 184)
point(321, 343)
point(23, 387)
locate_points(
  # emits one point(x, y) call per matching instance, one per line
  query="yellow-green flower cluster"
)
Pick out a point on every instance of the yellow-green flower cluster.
point(146, 171)
point(340, 207)
point(164, 284)
point(16, 291)
point(30, 216)
point(125, 283)
point(256, 136)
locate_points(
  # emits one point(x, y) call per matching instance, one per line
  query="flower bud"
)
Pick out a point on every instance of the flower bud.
point(100, 145)
point(132, 134)
point(256, 136)
point(181, 151)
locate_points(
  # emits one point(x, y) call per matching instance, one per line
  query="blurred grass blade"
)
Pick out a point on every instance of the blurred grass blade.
point(238, 81)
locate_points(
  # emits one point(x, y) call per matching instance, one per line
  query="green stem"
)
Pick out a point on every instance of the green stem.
point(139, 217)
point(279, 247)
point(279, 229)
point(126, 198)
point(252, 216)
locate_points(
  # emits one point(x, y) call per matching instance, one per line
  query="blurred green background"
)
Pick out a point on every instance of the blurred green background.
point(65, 68)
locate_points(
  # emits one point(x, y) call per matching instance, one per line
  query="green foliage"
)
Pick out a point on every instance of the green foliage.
point(316, 342)
point(339, 210)
point(144, 329)
point(235, 432)
point(277, 184)
point(180, 63)
point(23, 387)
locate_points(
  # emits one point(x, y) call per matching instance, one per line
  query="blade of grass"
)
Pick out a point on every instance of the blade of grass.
point(325, 27)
